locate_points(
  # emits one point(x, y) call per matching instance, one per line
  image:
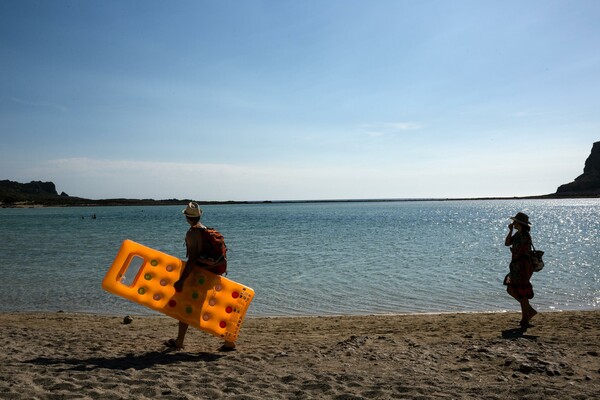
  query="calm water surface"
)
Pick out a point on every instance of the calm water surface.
point(314, 258)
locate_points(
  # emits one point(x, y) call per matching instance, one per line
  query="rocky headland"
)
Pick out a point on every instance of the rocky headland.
point(44, 194)
point(588, 183)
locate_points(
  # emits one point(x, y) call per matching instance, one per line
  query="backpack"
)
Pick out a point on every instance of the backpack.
point(217, 251)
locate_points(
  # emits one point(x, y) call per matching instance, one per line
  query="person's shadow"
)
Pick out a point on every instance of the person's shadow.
point(135, 361)
point(516, 333)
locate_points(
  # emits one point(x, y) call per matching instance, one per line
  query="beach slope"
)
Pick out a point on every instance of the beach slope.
point(448, 356)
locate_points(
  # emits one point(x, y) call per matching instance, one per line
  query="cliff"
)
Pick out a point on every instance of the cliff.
point(14, 192)
point(589, 182)
point(36, 193)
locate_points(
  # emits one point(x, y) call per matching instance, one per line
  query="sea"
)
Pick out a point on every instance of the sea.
point(317, 258)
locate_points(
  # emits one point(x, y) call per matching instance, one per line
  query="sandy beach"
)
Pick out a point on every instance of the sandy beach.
point(448, 356)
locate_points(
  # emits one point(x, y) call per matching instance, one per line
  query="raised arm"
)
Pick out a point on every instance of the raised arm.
point(508, 240)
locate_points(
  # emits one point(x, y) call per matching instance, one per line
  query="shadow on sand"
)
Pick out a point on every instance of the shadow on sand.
point(517, 333)
point(138, 362)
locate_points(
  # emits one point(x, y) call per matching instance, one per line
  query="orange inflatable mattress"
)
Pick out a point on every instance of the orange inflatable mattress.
point(208, 302)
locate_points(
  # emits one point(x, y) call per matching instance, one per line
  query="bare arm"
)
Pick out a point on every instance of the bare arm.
point(508, 240)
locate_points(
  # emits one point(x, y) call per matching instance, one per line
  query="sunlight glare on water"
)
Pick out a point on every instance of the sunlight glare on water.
point(314, 258)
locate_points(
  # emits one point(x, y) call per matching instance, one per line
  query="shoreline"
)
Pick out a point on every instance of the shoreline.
point(80, 202)
point(425, 356)
point(154, 313)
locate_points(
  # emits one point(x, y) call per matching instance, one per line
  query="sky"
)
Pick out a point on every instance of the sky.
point(296, 100)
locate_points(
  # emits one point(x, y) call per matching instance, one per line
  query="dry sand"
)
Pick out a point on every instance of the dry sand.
point(450, 356)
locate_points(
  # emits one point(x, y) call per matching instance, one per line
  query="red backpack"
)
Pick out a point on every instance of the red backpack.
point(217, 251)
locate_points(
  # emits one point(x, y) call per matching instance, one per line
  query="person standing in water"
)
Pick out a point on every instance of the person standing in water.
point(197, 247)
point(517, 282)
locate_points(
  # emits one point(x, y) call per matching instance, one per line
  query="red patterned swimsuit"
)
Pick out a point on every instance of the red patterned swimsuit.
point(521, 267)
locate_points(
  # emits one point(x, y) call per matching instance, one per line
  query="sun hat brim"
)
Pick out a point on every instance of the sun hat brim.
point(192, 210)
point(521, 221)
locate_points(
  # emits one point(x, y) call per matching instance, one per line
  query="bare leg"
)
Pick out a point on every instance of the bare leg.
point(524, 311)
point(527, 312)
point(181, 334)
point(531, 312)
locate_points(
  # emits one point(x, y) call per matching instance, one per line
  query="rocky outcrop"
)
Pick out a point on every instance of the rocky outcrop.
point(33, 188)
point(589, 182)
point(34, 192)
point(38, 194)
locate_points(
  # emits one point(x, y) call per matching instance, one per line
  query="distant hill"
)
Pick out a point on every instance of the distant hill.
point(44, 194)
point(587, 184)
point(37, 193)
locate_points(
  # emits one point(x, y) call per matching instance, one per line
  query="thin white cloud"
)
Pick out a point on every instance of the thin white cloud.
point(403, 126)
point(524, 114)
point(447, 175)
point(41, 104)
point(96, 178)
point(519, 114)
point(391, 128)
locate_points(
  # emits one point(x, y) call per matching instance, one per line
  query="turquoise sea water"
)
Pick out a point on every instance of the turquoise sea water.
point(314, 258)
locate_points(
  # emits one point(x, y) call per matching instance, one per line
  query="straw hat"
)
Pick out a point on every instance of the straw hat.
point(521, 218)
point(192, 210)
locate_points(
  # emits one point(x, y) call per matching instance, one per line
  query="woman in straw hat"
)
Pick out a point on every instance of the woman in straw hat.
point(521, 268)
point(195, 243)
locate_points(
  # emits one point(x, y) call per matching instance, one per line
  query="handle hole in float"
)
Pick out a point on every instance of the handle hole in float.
point(132, 271)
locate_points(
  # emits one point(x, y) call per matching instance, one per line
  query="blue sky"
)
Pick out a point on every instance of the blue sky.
point(275, 100)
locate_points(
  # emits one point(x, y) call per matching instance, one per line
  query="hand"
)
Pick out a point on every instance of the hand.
point(178, 286)
point(511, 226)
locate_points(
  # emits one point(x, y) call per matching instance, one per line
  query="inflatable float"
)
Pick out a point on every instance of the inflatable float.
point(209, 302)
